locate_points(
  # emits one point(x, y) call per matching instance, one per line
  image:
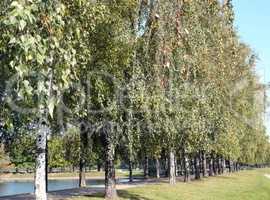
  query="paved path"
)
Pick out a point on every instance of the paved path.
point(59, 195)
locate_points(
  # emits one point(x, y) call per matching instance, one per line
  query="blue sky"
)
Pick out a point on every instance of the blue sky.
point(252, 20)
point(253, 24)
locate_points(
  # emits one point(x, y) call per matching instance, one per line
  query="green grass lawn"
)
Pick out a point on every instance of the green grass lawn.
point(245, 185)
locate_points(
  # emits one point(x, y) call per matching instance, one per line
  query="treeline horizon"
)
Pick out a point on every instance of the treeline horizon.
point(138, 79)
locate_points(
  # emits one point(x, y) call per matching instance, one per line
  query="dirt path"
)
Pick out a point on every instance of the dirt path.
point(267, 176)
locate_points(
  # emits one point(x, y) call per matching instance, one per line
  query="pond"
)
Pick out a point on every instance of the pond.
point(21, 187)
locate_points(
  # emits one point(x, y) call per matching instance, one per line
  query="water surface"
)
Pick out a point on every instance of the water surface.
point(21, 187)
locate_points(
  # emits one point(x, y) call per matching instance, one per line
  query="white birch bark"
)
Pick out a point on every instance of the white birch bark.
point(40, 175)
point(172, 169)
point(157, 168)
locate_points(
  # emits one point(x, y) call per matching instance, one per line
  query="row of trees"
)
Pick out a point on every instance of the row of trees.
point(146, 78)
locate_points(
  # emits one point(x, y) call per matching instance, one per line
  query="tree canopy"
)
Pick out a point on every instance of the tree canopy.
point(138, 79)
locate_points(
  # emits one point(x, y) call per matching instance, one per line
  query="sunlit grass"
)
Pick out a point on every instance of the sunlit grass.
point(245, 185)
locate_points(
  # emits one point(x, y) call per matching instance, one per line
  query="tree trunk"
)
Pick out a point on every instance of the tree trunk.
point(157, 168)
point(214, 161)
point(47, 166)
point(110, 182)
point(187, 168)
point(201, 162)
point(166, 167)
point(230, 166)
point(130, 171)
point(82, 179)
point(211, 173)
point(197, 167)
point(182, 166)
point(224, 165)
point(99, 167)
point(235, 166)
point(146, 167)
point(83, 146)
point(239, 166)
point(172, 178)
point(176, 168)
point(219, 165)
point(40, 175)
point(108, 139)
point(204, 165)
point(229, 162)
point(214, 167)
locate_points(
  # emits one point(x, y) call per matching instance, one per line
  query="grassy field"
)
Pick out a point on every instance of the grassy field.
point(245, 185)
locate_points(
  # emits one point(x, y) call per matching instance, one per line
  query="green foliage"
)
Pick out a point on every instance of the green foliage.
point(22, 150)
point(4, 158)
point(56, 154)
point(169, 75)
point(71, 143)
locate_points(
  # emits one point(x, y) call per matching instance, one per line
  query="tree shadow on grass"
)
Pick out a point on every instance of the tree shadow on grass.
point(226, 177)
point(122, 194)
